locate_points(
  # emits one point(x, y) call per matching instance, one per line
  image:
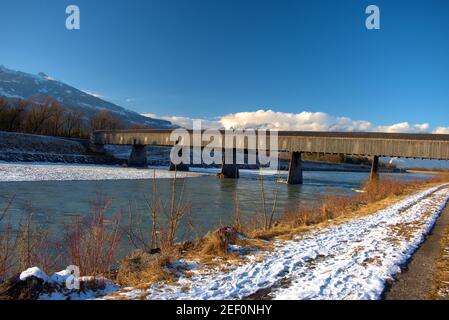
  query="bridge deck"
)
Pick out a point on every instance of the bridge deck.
point(423, 146)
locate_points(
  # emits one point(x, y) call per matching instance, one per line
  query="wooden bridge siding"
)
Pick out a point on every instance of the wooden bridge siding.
point(407, 148)
point(389, 148)
point(124, 138)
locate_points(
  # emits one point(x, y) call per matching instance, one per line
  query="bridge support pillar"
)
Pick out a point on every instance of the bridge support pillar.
point(374, 169)
point(94, 146)
point(180, 167)
point(229, 171)
point(97, 148)
point(295, 169)
point(138, 158)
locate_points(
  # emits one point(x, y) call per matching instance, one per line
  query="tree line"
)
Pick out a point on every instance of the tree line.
point(52, 119)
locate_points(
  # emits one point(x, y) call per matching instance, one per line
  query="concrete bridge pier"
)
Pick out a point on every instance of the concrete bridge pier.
point(179, 167)
point(229, 171)
point(138, 158)
point(374, 169)
point(295, 169)
point(96, 148)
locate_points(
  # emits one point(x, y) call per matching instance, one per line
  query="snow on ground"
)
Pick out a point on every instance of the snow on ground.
point(39, 171)
point(33, 272)
point(68, 172)
point(60, 280)
point(105, 287)
point(351, 260)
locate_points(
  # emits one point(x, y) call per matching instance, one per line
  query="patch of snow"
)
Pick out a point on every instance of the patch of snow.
point(107, 287)
point(350, 260)
point(9, 95)
point(59, 278)
point(74, 172)
point(33, 272)
point(58, 281)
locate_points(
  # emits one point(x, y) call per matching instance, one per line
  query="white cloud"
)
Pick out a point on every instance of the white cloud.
point(441, 130)
point(404, 127)
point(187, 122)
point(303, 121)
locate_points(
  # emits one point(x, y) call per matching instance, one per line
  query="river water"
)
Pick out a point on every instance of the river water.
point(211, 201)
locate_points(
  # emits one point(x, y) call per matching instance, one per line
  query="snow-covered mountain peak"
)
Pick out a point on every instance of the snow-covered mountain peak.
point(5, 70)
point(22, 85)
point(44, 76)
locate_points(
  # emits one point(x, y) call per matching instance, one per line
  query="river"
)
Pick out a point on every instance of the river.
point(211, 201)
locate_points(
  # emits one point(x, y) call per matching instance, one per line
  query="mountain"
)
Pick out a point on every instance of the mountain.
point(20, 85)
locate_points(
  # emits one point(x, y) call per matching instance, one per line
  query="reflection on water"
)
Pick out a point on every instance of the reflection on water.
point(212, 200)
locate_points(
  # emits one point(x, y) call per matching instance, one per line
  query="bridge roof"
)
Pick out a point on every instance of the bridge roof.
point(318, 134)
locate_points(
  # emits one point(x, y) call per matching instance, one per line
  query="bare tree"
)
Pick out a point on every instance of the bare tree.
point(11, 117)
point(105, 120)
point(74, 124)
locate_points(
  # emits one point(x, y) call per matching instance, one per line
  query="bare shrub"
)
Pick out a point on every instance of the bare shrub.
point(8, 243)
point(25, 244)
point(93, 242)
point(268, 217)
point(34, 246)
point(165, 215)
point(378, 190)
point(237, 218)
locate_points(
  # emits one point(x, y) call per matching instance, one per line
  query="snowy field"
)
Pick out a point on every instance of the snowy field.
point(38, 171)
point(70, 172)
point(352, 260)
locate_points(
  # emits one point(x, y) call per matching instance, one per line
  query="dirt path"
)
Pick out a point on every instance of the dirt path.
point(415, 283)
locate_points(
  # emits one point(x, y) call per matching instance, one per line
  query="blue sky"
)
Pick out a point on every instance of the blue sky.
point(208, 58)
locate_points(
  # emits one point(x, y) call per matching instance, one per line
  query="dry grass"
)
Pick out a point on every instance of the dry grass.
point(156, 272)
point(376, 195)
point(217, 243)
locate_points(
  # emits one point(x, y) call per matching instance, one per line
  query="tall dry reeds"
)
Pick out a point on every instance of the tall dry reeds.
point(333, 206)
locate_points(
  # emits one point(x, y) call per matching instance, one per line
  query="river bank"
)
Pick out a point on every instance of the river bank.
point(424, 276)
point(351, 259)
point(351, 256)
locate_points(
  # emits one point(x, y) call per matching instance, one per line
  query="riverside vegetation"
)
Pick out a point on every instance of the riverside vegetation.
point(92, 243)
